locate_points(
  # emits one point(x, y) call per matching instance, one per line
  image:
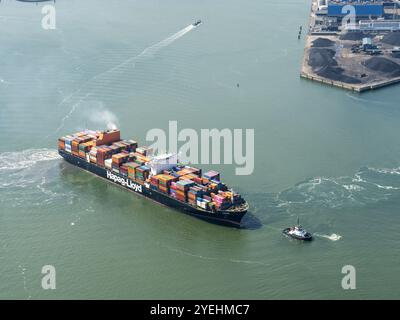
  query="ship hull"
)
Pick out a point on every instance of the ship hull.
point(221, 218)
point(307, 237)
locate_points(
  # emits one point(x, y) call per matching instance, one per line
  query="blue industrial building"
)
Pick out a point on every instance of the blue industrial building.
point(362, 8)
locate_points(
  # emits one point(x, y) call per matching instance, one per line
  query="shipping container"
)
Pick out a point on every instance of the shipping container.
point(120, 158)
point(131, 169)
point(145, 151)
point(132, 145)
point(193, 170)
point(212, 175)
point(142, 173)
point(184, 184)
point(123, 170)
point(61, 143)
point(108, 137)
point(108, 164)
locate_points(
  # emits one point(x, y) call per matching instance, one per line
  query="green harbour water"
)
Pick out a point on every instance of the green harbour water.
point(329, 156)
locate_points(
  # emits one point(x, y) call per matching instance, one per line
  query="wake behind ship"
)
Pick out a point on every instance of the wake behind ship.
point(160, 178)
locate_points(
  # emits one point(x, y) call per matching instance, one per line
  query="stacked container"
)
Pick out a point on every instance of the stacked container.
point(117, 160)
point(222, 200)
point(114, 149)
point(181, 195)
point(75, 146)
point(212, 175)
point(80, 139)
point(140, 159)
point(93, 155)
point(123, 170)
point(194, 193)
point(165, 181)
point(108, 164)
point(154, 182)
point(131, 170)
point(128, 145)
point(142, 173)
point(85, 148)
point(61, 143)
point(189, 176)
point(202, 203)
point(172, 189)
point(194, 170)
point(103, 153)
point(68, 143)
point(145, 151)
point(182, 188)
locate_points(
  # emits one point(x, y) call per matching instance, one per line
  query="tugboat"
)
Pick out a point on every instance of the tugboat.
point(196, 23)
point(297, 232)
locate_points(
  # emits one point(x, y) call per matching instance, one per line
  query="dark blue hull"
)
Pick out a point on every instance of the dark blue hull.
point(231, 219)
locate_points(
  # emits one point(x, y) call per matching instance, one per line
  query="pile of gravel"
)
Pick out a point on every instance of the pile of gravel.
point(321, 58)
point(322, 42)
point(354, 35)
point(384, 65)
point(392, 38)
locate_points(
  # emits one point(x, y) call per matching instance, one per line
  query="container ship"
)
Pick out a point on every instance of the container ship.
point(160, 178)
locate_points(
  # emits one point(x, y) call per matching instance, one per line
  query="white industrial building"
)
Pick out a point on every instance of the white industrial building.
point(379, 25)
point(374, 25)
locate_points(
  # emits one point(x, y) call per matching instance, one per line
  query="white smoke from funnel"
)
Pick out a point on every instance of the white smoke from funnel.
point(108, 118)
point(102, 117)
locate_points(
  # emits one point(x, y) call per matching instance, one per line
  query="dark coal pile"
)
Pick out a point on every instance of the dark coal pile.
point(392, 38)
point(323, 63)
point(353, 35)
point(383, 65)
point(336, 74)
point(322, 42)
point(321, 58)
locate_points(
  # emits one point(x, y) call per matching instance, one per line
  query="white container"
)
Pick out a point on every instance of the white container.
point(108, 163)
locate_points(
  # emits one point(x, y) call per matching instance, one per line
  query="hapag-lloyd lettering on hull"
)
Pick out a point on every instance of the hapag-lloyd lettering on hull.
point(124, 182)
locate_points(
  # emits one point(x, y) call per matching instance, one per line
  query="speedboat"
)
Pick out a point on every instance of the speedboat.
point(196, 23)
point(298, 232)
